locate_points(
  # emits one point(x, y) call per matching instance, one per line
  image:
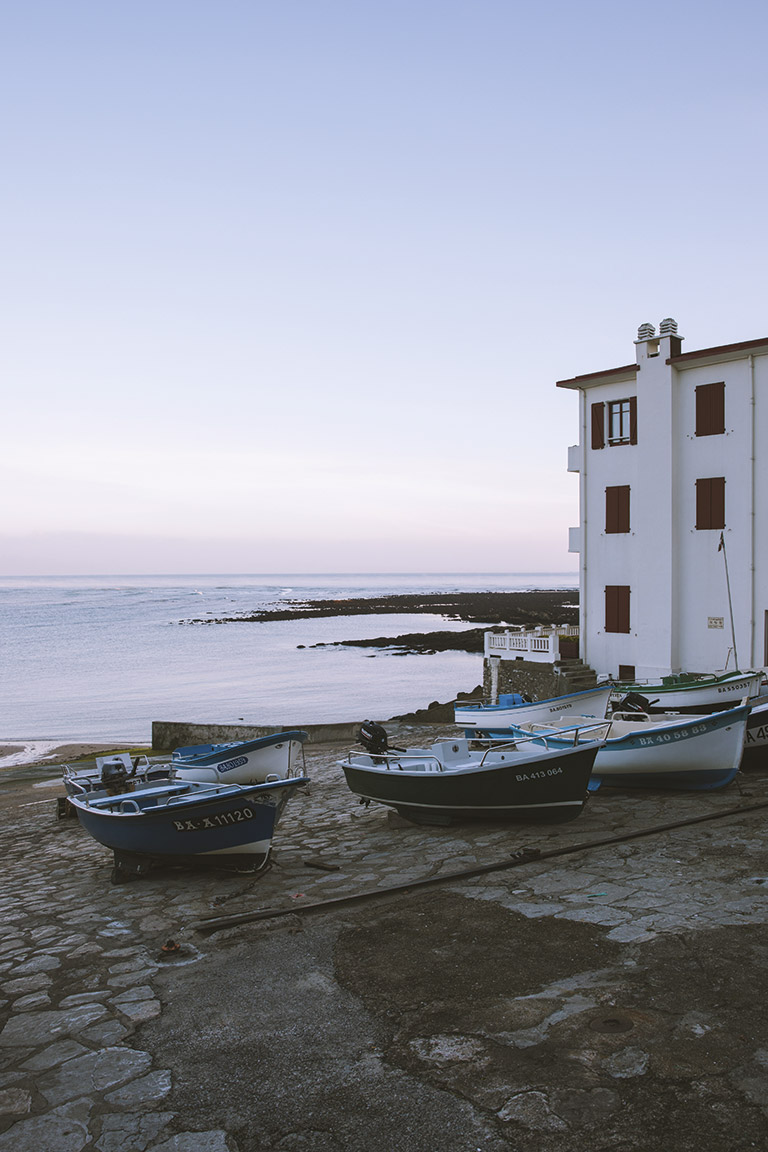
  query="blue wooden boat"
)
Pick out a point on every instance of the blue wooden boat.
point(184, 822)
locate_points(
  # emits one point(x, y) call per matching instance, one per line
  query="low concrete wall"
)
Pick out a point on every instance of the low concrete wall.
point(170, 734)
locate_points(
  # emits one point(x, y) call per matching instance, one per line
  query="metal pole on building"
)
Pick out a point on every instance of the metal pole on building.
point(721, 548)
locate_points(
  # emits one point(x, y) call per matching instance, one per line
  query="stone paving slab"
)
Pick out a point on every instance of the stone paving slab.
point(82, 971)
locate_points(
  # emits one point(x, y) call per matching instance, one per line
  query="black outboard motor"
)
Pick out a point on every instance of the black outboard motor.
point(115, 776)
point(374, 738)
point(634, 702)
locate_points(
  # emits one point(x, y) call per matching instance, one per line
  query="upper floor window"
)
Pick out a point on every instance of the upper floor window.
point(617, 508)
point(710, 409)
point(621, 420)
point(710, 502)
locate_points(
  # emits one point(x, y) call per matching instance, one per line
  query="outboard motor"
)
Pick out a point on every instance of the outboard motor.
point(115, 776)
point(634, 702)
point(373, 738)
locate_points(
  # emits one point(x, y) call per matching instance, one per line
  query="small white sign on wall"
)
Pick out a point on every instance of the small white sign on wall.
point(716, 622)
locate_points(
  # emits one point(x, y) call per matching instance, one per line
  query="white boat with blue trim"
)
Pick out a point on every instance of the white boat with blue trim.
point(512, 708)
point(257, 761)
point(656, 751)
point(244, 761)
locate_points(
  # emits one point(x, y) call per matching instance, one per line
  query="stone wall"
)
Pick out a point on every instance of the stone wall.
point(539, 681)
point(167, 734)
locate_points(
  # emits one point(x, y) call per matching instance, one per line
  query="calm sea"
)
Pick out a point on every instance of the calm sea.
point(99, 658)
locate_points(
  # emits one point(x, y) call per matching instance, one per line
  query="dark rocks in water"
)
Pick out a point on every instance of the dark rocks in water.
point(540, 607)
point(437, 713)
point(425, 643)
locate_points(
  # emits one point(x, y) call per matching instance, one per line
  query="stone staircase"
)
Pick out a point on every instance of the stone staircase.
point(575, 676)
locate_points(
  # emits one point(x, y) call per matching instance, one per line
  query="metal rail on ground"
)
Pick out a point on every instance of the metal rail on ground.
point(522, 856)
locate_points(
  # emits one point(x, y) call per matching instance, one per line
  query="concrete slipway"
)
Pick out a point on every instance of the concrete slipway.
point(613, 998)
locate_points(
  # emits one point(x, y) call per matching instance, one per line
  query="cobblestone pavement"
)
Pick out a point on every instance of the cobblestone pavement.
point(83, 971)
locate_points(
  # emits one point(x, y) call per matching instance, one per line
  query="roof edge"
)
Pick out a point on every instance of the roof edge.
point(594, 377)
point(720, 350)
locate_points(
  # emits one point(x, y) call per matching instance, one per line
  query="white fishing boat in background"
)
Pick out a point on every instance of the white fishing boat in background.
point(689, 692)
point(512, 708)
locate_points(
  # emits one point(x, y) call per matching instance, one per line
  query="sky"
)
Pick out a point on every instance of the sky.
point(287, 286)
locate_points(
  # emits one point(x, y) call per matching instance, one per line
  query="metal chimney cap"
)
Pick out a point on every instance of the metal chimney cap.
point(646, 332)
point(668, 327)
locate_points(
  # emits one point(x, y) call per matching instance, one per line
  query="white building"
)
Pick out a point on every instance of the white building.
point(672, 458)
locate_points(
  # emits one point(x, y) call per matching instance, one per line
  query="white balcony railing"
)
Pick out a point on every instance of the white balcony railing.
point(540, 644)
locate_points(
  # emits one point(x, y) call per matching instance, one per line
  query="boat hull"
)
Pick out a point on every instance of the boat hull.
point(696, 753)
point(489, 719)
point(756, 741)
point(714, 695)
point(177, 823)
point(545, 789)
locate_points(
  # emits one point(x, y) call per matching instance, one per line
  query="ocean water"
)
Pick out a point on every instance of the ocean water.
point(98, 658)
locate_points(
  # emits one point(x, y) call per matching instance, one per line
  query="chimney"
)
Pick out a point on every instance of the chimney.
point(668, 328)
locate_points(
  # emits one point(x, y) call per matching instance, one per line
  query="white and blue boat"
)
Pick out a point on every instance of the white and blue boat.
point(244, 761)
point(512, 708)
point(656, 751)
point(185, 822)
point(257, 761)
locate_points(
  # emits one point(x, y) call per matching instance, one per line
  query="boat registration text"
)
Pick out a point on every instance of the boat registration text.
point(670, 737)
point(198, 823)
point(542, 775)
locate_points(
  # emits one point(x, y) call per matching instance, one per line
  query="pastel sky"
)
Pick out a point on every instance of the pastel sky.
point(287, 286)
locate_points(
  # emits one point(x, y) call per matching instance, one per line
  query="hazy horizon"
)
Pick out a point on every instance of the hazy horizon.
point(291, 285)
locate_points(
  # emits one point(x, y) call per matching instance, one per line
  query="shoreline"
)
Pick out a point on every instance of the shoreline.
point(51, 753)
point(489, 609)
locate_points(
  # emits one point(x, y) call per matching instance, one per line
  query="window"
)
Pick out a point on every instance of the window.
point(710, 409)
point(617, 508)
point(622, 422)
point(617, 608)
point(710, 502)
point(626, 672)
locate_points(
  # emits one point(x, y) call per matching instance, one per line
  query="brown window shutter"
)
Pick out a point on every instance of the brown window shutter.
point(717, 498)
point(598, 425)
point(710, 409)
point(710, 502)
point(633, 419)
point(617, 508)
point(617, 608)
